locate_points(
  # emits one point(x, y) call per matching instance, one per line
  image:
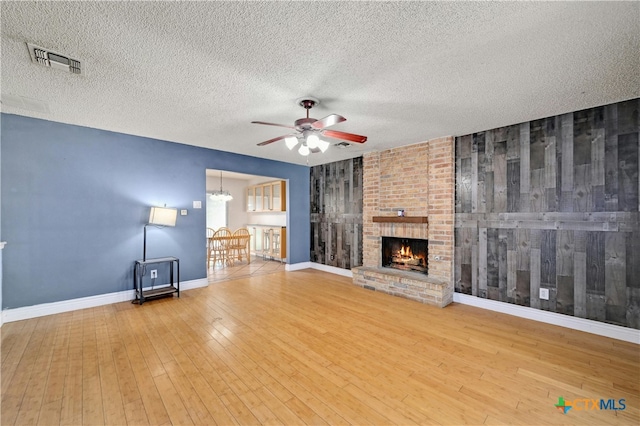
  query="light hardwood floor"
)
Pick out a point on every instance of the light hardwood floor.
point(241, 269)
point(306, 347)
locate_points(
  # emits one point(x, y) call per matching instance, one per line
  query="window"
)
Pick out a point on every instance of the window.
point(216, 213)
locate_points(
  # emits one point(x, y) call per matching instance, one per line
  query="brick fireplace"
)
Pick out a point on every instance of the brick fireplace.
point(418, 179)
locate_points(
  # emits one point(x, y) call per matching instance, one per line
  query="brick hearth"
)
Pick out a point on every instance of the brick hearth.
point(420, 180)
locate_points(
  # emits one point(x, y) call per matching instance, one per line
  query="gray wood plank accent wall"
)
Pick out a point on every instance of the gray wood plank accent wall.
point(553, 203)
point(336, 213)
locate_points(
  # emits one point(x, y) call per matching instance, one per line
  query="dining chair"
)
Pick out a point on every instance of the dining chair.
point(219, 246)
point(240, 245)
point(210, 232)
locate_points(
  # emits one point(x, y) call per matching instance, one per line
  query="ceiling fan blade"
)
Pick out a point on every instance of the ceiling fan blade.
point(349, 137)
point(273, 124)
point(329, 120)
point(274, 140)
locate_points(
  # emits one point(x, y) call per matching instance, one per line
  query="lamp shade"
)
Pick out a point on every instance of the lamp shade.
point(163, 216)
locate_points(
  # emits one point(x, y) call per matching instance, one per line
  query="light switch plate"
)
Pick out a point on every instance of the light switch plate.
point(183, 212)
point(197, 204)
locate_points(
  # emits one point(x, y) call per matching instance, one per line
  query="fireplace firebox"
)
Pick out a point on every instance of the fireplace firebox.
point(406, 254)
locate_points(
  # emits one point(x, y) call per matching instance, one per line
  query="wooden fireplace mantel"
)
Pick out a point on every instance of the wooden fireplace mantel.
point(401, 219)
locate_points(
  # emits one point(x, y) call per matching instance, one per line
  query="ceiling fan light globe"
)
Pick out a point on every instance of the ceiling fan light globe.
point(291, 141)
point(323, 145)
point(303, 150)
point(312, 141)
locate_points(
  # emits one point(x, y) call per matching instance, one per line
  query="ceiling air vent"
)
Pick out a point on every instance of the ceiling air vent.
point(51, 59)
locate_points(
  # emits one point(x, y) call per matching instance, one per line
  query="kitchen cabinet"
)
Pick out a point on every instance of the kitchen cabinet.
point(267, 197)
point(278, 199)
point(258, 191)
point(269, 241)
point(275, 245)
point(251, 199)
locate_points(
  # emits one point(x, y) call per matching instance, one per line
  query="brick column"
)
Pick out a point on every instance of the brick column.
point(370, 207)
point(419, 179)
point(441, 208)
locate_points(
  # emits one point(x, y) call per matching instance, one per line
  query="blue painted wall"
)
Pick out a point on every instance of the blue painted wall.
point(1, 305)
point(74, 201)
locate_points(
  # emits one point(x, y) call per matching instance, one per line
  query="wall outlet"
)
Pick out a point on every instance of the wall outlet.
point(332, 257)
point(154, 273)
point(544, 293)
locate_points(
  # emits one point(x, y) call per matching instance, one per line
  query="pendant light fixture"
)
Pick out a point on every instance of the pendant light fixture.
point(221, 195)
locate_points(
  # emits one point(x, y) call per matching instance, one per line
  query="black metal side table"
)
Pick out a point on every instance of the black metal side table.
point(140, 270)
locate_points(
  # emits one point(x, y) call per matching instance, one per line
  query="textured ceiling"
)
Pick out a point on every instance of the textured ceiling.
point(401, 72)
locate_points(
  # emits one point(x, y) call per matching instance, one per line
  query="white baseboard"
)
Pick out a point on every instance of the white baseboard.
point(191, 284)
point(332, 269)
point(27, 312)
point(297, 266)
point(320, 267)
point(595, 327)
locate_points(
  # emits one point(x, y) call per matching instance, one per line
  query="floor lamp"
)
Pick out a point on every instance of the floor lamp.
point(159, 216)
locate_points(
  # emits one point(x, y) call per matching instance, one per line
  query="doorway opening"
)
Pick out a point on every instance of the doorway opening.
point(258, 205)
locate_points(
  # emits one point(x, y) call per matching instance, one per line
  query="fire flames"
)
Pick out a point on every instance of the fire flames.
point(405, 256)
point(405, 251)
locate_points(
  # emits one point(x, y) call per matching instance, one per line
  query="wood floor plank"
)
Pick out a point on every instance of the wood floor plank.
point(40, 363)
point(18, 373)
point(282, 412)
point(184, 371)
point(92, 402)
point(113, 407)
point(135, 413)
point(195, 407)
point(304, 412)
point(51, 408)
point(18, 335)
point(306, 396)
point(72, 395)
point(177, 411)
point(151, 398)
point(306, 347)
point(241, 412)
point(390, 395)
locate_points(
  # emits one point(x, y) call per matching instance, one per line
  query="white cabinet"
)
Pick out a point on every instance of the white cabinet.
point(251, 199)
point(267, 197)
point(277, 243)
point(258, 191)
point(278, 201)
point(268, 241)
